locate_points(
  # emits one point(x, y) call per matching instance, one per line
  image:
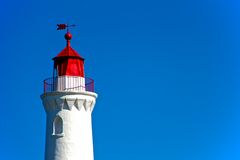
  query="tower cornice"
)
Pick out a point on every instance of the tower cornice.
point(64, 93)
point(61, 100)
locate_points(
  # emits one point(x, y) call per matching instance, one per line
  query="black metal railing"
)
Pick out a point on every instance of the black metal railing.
point(53, 84)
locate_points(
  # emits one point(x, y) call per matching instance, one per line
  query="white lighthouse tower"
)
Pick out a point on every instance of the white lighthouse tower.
point(68, 100)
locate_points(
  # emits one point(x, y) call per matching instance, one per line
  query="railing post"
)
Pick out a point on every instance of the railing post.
point(44, 87)
point(92, 86)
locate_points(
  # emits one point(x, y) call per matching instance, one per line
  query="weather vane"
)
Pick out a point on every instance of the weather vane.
point(65, 26)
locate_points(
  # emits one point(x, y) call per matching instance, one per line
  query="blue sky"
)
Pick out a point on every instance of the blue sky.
point(167, 75)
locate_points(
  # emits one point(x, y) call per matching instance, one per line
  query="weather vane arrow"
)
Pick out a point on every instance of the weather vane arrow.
point(65, 26)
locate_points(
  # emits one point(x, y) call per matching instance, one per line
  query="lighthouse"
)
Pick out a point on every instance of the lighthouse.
point(68, 100)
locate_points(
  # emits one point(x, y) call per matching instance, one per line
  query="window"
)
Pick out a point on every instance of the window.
point(58, 126)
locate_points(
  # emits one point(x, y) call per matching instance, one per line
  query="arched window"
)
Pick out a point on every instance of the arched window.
point(58, 126)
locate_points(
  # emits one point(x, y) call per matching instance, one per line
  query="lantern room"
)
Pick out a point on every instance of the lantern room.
point(68, 62)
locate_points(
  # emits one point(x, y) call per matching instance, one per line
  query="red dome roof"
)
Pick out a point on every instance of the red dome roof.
point(68, 52)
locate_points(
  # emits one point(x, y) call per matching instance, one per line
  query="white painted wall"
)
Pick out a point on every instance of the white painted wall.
point(70, 83)
point(74, 108)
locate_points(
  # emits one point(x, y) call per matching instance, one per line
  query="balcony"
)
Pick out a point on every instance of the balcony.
point(68, 83)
